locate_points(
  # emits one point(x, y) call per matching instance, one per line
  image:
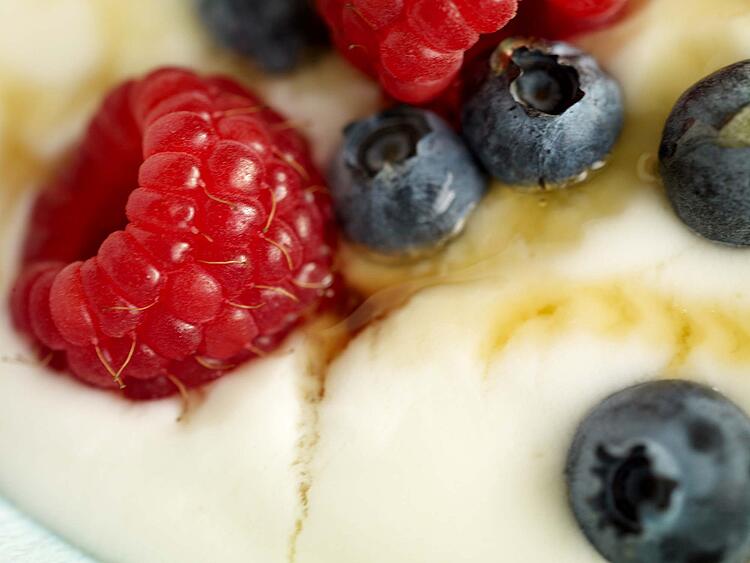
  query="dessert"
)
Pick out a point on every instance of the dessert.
point(441, 432)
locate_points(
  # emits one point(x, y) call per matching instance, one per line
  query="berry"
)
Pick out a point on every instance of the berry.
point(414, 47)
point(404, 182)
point(660, 472)
point(561, 19)
point(567, 17)
point(545, 115)
point(276, 34)
point(221, 248)
point(705, 156)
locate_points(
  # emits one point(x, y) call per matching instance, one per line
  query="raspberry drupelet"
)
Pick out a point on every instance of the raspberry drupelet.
point(224, 245)
point(414, 47)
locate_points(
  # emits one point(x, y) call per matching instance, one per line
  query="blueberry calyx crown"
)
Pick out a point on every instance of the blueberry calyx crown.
point(540, 82)
point(394, 142)
point(630, 485)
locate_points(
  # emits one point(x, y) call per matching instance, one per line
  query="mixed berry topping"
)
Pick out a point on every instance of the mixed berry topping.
point(190, 233)
point(276, 34)
point(404, 182)
point(414, 47)
point(545, 115)
point(660, 473)
point(705, 156)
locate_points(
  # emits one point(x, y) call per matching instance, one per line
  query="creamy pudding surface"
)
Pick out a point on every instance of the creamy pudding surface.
point(439, 433)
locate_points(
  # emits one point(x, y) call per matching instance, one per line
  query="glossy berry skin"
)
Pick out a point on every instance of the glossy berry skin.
point(545, 115)
point(660, 473)
point(190, 233)
point(276, 34)
point(414, 47)
point(705, 156)
point(562, 19)
point(404, 182)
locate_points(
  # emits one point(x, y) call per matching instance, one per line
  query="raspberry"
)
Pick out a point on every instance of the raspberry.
point(414, 47)
point(557, 19)
point(220, 250)
point(568, 17)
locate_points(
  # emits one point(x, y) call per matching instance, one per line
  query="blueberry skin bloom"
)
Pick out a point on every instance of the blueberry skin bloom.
point(705, 156)
point(544, 116)
point(276, 34)
point(660, 473)
point(403, 182)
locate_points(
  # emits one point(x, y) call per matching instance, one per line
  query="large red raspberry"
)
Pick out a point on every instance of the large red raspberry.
point(414, 47)
point(223, 245)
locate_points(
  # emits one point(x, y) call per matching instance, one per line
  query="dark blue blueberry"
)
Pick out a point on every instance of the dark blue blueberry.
point(705, 156)
point(660, 473)
point(545, 114)
point(404, 182)
point(276, 34)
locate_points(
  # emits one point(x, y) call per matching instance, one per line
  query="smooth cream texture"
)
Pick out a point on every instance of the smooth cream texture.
point(439, 434)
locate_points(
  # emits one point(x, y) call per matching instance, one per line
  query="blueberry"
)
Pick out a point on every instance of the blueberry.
point(660, 473)
point(705, 156)
point(276, 34)
point(545, 114)
point(404, 182)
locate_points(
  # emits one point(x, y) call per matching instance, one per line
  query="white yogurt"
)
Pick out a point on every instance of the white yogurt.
point(442, 430)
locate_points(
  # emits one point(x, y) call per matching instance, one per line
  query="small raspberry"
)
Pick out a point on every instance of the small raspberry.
point(222, 247)
point(414, 47)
